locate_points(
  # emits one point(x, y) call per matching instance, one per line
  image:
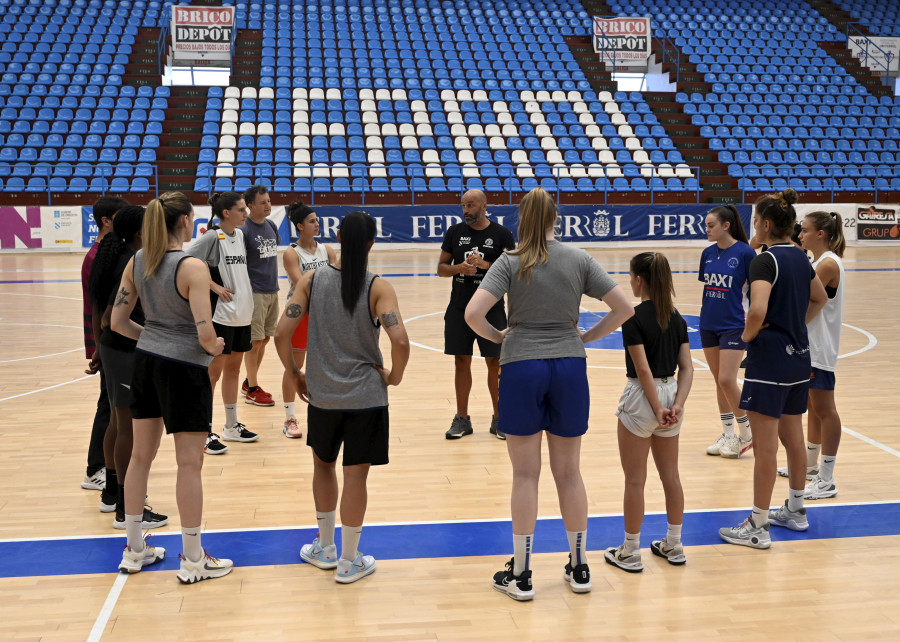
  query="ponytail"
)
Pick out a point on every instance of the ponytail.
point(357, 231)
point(729, 214)
point(833, 226)
point(779, 210)
point(219, 202)
point(653, 268)
point(126, 225)
point(160, 220)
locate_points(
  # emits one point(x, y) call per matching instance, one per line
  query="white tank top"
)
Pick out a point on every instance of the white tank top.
point(309, 261)
point(233, 268)
point(825, 330)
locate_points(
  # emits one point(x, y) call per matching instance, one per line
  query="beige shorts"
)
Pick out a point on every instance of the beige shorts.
point(637, 415)
point(265, 315)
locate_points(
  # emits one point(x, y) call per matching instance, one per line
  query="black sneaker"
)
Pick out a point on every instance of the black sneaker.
point(214, 446)
point(518, 588)
point(495, 428)
point(150, 520)
point(239, 432)
point(460, 427)
point(579, 578)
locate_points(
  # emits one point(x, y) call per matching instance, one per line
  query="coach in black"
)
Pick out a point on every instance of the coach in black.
point(468, 250)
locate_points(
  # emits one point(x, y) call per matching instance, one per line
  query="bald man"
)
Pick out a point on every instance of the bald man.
point(468, 250)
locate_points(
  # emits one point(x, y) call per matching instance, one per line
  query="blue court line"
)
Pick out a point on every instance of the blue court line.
point(426, 540)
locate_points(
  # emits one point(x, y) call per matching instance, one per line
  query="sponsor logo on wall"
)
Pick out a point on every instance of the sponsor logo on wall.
point(876, 223)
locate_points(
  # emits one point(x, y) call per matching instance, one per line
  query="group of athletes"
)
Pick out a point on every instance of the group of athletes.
point(172, 322)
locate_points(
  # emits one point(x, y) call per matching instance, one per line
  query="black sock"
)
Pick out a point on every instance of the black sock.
point(247, 382)
point(120, 502)
point(112, 483)
point(252, 389)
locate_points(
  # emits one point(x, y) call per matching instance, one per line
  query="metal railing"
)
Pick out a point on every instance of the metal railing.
point(864, 51)
point(830, 182)
point(666, 44)
point(101, 182)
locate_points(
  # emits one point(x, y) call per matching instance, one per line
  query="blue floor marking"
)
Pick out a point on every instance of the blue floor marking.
point(420, 540)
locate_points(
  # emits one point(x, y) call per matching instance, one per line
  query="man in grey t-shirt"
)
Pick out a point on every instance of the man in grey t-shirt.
point(262, 238)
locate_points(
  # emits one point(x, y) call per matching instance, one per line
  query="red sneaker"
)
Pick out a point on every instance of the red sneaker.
point(259, 397)
point(245, 388)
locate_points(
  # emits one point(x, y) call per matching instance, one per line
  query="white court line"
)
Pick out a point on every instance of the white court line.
point(46, 296)
point(42, 356)
point(58, 385)
point(108, 606)
point(870, 441)
point(871, 344)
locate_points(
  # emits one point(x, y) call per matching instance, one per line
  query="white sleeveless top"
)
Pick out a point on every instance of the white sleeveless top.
point(825, 330)
point(233, 268)
point(309, 261)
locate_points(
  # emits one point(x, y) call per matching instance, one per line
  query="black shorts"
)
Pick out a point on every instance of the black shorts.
point(459, 337)
point(119, 368)
point(237, 339)
point(364, 434)
point(179, 393)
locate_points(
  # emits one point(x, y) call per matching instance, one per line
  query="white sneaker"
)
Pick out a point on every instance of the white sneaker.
point(794, 520)
point(630, 562)
point(347, 571)
point(134, 561)
point(746, 534)
point(292, 429)
point(206, 569)
point(674, 554)
point(734, 447)
point(97, 481)
point(238, 432)
point(811, 472)
point(819, 488)
point(716, 448)
point(324, 557)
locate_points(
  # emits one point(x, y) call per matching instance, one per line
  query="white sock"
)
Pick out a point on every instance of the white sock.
point(795, 500)
point(812, 454)
point(760, 517)
point(577, 546)
point(727, 423)
point(350, 541)
point(288, 410)
point(744, 426)
point(826, 470)
point(190, 542)
point(134, 532)
point(230, 415)
point(632, 542)
point(326, 528)
point(673, 534)
point(522, 557)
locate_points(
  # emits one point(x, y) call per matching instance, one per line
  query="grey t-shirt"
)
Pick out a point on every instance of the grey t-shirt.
point(262, 255)
point(545, 311)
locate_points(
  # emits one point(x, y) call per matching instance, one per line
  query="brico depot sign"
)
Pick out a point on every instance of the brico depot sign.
point(626, 39)
point(202, 35)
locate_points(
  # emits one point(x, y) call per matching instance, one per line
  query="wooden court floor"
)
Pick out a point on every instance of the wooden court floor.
point(833, 587)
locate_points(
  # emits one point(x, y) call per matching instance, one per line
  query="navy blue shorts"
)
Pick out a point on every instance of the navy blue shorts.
point(775, 400)
point(821, 379)
point(724, 340)
point(545, 394)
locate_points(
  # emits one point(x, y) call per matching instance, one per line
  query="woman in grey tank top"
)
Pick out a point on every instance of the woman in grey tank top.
point(346, 387)
point(170, 385)
point(543, 377)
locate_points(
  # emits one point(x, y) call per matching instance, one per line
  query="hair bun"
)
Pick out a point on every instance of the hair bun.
point(789, 196)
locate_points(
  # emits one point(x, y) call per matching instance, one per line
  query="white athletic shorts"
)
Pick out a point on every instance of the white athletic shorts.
point(637, 415)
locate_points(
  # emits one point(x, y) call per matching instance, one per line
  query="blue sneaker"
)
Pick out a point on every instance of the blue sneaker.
point(348, 571)
point(319, 556)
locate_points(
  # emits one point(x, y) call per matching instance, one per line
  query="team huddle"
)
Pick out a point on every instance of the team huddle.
point(171, 323)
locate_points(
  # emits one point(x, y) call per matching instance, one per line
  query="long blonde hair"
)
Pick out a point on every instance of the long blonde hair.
point(160, 220)
point(537, 214)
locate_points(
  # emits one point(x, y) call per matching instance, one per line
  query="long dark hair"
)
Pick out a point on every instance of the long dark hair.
point(221, 202)
point(114, 245)
point(833, 226)
point(729, 214)
point(653, 268)
point(779, 209)
point(357, 231)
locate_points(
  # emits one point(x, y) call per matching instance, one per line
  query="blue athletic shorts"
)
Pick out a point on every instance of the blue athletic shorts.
point(821, 379)
point(775, 400)
point(724, 340)
point(545, 394)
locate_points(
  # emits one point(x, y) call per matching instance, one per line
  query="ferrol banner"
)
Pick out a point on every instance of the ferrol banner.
point(629, 38)
point(877, 223)
point(202, 36)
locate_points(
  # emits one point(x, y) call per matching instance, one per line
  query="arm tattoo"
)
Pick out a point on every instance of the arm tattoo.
point(120, 299)
point(389, 319)
point(203, 322)
point(293, 311)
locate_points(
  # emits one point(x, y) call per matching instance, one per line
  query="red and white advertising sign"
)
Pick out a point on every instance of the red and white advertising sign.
point(626, 39)
point(202, 35)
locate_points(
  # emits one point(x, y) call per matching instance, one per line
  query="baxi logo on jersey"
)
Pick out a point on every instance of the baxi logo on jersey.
point(718, 280)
